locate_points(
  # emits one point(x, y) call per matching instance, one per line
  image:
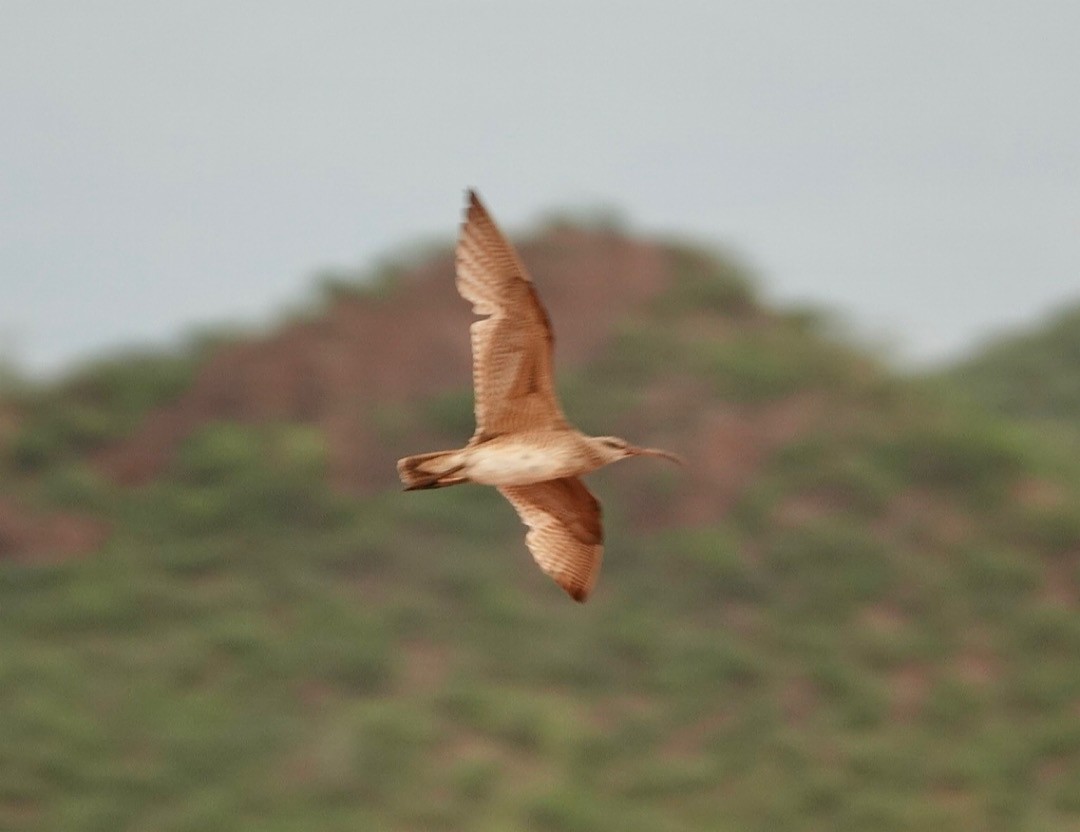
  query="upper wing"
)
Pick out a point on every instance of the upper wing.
point(565, 534)
point(512, 349)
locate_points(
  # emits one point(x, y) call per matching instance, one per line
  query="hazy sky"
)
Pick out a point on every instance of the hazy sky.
point(915, 165)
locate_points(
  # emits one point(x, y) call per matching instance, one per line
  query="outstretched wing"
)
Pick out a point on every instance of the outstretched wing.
point(565, 535)
point(511, 347)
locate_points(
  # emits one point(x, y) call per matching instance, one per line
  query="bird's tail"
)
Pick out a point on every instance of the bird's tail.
point(434, 470)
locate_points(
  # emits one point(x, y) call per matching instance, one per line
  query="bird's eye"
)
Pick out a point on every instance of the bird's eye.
point(613, 443)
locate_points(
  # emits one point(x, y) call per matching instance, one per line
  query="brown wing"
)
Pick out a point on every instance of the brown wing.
point(512, 348)
point(565, 534)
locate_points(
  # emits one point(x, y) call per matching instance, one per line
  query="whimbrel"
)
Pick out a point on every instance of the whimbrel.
point(523, 444)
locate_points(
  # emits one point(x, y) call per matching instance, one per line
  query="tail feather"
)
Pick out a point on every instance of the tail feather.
point(433, 470)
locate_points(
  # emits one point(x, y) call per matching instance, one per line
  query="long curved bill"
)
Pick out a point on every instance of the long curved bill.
point(668, 455)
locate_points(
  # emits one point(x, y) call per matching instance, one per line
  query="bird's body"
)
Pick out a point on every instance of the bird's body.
point(526, 458)
point(523, 444)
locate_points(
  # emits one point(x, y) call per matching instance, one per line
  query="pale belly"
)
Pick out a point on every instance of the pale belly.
point(515, 463)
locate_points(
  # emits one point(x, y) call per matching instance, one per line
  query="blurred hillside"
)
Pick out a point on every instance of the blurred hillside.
point(856, 609)
point(1033, 375)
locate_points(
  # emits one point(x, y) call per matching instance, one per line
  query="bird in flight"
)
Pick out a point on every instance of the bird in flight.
point(523, 444)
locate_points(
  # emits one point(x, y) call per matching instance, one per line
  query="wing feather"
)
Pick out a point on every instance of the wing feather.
point(513, 345)
point(565, 536)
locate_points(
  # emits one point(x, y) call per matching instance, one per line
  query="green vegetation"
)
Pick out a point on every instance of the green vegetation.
point(877, 628)
point(1033, 375)
point(98, 404)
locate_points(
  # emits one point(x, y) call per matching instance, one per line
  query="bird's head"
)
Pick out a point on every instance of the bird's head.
point(612, 449)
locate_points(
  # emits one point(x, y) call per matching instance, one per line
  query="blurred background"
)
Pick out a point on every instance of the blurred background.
point(829, 253)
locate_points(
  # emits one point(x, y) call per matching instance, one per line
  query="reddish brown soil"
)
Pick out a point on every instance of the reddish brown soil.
point(25, 533)
point(732, 443)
